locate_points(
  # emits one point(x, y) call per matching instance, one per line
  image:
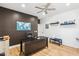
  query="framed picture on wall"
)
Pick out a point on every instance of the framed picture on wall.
point(46, 26)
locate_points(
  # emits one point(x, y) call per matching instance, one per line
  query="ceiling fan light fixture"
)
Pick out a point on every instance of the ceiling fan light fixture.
point(43, 13)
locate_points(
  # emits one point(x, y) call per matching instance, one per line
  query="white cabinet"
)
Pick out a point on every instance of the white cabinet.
point(2, 46)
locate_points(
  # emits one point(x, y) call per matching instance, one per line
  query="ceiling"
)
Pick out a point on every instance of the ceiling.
point(30, 8)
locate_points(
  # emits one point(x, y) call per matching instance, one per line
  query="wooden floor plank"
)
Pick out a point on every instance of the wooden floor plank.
point(52, 50)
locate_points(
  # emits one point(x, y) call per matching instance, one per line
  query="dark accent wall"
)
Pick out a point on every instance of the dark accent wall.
point(8, 20)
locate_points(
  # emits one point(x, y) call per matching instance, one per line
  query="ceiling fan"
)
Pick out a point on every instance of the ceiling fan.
point(45, 8)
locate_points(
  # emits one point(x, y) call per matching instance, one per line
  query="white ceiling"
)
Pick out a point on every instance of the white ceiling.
point(30, 8)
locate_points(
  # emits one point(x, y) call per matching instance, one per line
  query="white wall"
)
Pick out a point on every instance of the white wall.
point(67, 33)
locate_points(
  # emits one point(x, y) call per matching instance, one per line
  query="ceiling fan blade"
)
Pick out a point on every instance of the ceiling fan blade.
point(47, 5)
point(46, 12)
point(39, 11)
point(39, 7)
point(51, 9)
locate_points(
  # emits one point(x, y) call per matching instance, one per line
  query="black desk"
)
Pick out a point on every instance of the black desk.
point(33, 46)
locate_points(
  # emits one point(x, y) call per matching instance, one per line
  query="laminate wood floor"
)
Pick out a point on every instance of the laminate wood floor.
point(52, 50)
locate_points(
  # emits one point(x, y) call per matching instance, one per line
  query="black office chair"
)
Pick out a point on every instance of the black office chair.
point(2, 54)
point(30, 37)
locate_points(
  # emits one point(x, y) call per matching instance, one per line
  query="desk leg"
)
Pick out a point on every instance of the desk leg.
point(21, 49)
